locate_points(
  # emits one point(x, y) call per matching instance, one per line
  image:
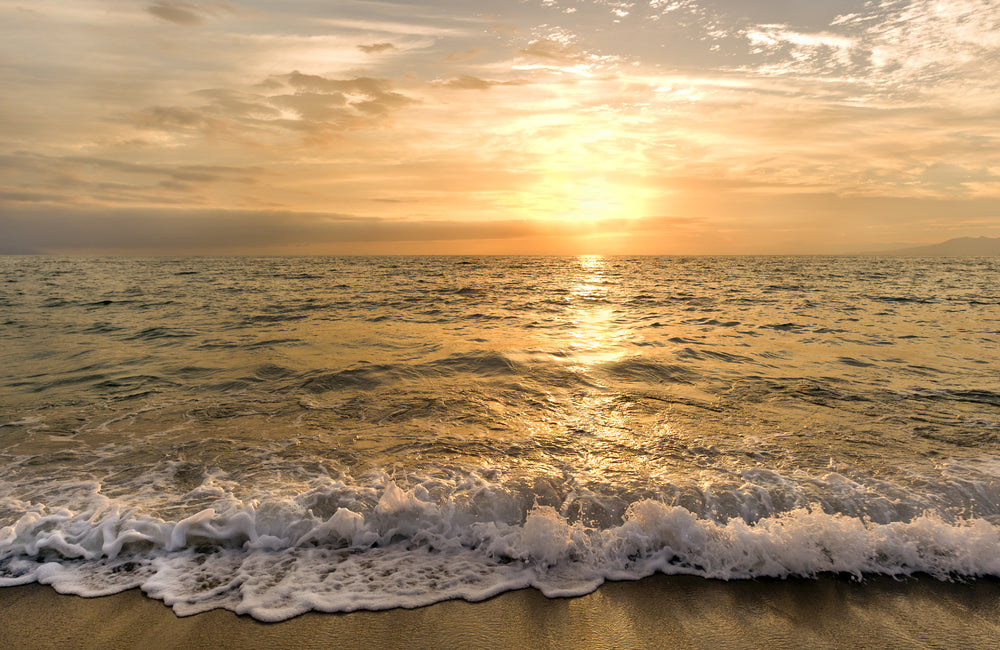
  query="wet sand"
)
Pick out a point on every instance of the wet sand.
point(658, 612)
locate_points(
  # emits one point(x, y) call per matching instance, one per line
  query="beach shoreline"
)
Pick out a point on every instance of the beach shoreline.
point(656, 612)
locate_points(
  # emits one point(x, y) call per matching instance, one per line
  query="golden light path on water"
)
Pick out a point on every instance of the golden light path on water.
point(596, 338)
point(602, 417)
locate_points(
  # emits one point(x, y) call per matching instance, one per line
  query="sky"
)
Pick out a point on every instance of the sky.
point(501, 127)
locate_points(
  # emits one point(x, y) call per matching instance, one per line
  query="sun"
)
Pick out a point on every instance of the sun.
point(587, 198)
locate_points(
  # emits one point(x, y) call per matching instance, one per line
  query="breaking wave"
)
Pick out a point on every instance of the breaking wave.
point(276, 559)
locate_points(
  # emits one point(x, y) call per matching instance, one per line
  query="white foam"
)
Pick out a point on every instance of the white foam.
point(276, 559)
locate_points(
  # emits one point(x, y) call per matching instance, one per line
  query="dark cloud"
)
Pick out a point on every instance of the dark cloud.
point(376, 48)
point(30, 197)
point(180, 12)
point(66, 229)
point(46, 228)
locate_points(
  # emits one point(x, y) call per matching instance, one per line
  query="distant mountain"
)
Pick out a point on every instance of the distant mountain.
point(960, 247)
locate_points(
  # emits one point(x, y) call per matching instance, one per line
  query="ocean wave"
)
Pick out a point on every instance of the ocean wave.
point(156, 333)
point(640, 370)
point(264, 319)
point(276, 559)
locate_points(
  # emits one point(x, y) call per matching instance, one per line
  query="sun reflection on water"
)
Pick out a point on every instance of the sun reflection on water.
point(605, 425)
point(596, 337)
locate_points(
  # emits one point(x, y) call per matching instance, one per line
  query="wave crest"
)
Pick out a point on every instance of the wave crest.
point(276, 559)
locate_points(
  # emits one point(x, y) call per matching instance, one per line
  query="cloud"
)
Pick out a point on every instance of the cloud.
point(929, 41)
point(365, 94)
point(180, 12)
point(293, 102)
point(315, 108)
point(376, 48)
point(42, 228)
point(234, 103)
point(732, 226)
point(27, 228)
point(320, 84)
point(557, 49)
point(170, 118)
point(412, 28)
point(190, 173)
point(801, 52)
point(168, 230)
point(28, 197)
point(891, 51)
point(468, 82)
point(464, 55)
point(81, 180)
point(943, 176)
point(554, 50)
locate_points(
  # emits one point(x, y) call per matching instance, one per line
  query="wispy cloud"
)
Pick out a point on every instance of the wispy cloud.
point(377, 48)
point(84, 180)
point(422, 27)
point(182, 12)
point(468, 82)
point(891, 49)
point(464, 55)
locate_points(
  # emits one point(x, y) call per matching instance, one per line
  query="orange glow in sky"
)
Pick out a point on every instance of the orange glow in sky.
point(537, 126)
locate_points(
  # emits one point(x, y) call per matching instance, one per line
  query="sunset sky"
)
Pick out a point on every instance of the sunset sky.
point(509, 126)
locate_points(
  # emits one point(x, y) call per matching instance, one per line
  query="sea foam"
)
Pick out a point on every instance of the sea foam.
point(276, 559)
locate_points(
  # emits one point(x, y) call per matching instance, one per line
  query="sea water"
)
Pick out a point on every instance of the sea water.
point(279, 435)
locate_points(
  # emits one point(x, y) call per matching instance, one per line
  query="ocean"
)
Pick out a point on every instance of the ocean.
point(281, 435)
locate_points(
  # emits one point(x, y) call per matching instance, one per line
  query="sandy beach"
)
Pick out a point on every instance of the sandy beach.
point(658, 612)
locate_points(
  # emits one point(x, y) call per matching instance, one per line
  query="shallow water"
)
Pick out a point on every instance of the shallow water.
point(275, 435)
